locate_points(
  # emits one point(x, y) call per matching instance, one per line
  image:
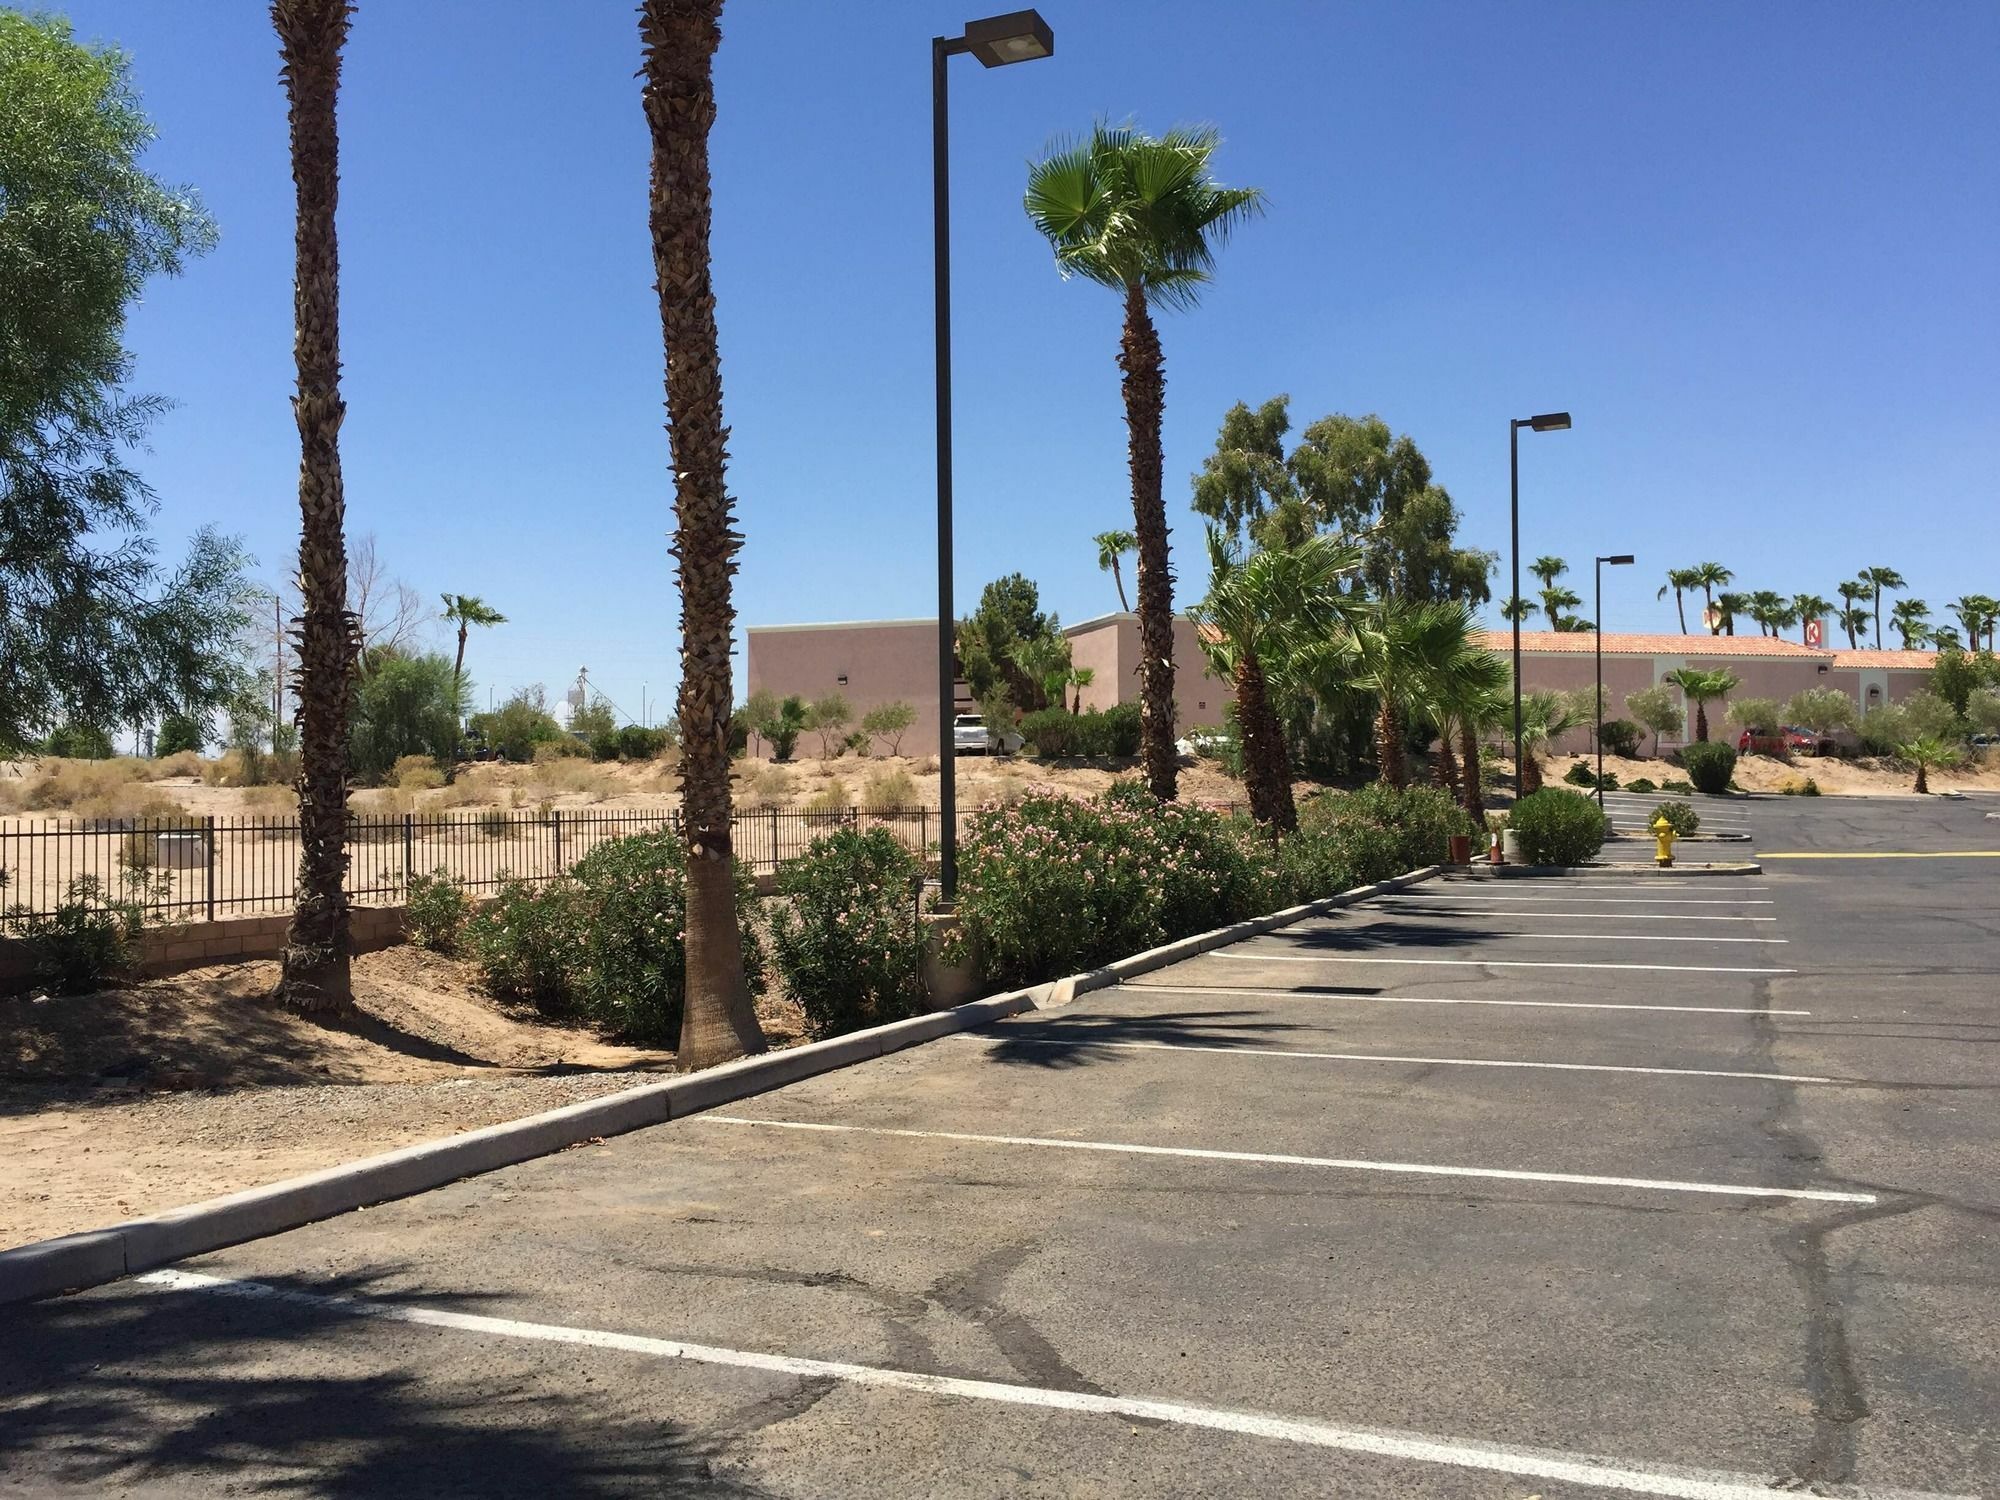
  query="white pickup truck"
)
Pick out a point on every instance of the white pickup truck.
point(970, 736)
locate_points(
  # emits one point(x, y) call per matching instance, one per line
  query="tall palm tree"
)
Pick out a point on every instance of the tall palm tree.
point(679, 38)
point(1708, 577)
point(1264, 620)
point(1879, 579)
point(1852, 592)
point(1809, 607)
point(1911, 618)
point(1767, 607)
point(1727, 607)
point(314, 976)
point(1143, 217)
point(1517, 608)
point(466, 611)
point(1548, 569)
point(1703, 688)
point(1112, 545)
point(1978, 613)
point(1854, 620)
point(1556, 599)
point(1679, 580)
point(1414, 657)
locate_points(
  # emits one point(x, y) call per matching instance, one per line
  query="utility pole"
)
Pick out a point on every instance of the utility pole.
point(277, 667)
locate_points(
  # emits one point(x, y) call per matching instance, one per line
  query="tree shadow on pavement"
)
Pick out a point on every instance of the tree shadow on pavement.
point(1073, 1041)
point(156, 1391)
point(1379, 934)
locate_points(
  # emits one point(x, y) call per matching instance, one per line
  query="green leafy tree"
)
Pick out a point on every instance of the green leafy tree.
point(1009, 612)
point(889, 721)
point(1111, 546)
point(1879, 579)
point(178, 732)
point(1679, 581)
point(517, 726)
point(1078, 679)
point(1245, 486)
point(1142, 217)
point(592, 718)
point(828, 718)
point(1763, 714)
point(1982, 710)
point(1702, 688)
point(1824, 711)
point(1658, 708)
point(1956, 675)
point(404, 705)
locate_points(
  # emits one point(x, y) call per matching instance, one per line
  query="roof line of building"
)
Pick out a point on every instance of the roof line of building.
point(841, 625)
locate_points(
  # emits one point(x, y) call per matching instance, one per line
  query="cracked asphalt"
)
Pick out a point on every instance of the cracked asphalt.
point(1497, 1188)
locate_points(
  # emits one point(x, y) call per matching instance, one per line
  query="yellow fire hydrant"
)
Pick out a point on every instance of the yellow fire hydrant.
point(1664, 832)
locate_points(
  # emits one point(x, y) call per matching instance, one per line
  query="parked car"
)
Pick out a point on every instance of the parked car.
point(968, 735)
point(1786, 739)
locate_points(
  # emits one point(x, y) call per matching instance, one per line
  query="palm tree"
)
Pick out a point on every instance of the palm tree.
point(466, 611)
point(1545, 715)
point(1112, 545)
point(679, 38)
point(1269, 621)
point(1517, 608)
point(1709, 577)
point(1978, 614)
point(1556, 599)
point(1414, 656)
point(1727, 607)
point(1143, 217)
point(314, 976)
point(1928, 753)
point(1703, 688)
point(1852, 616)
point(1807, 608)
point(1475, 714)
point(1044, 661)
point(1080, 678)
point(1679, 580)
point(1767, 606)
point(1879, 579)
point(1548, 570)
point(1912, 618)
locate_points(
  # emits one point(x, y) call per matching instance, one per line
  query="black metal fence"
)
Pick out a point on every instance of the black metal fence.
point(197, 869)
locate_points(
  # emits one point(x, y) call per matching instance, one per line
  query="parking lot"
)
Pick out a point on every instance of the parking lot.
point(1599, 1184)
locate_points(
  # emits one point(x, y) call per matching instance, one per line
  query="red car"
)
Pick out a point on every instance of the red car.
point(1780, 741)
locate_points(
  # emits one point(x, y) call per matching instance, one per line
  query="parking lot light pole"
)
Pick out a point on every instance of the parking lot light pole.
point(1554, 421)
point(1597, 734)
point(1019, 36)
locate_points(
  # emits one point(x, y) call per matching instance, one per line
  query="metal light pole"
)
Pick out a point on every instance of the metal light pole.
point(1020, 36)
point(1554, 421)
point(1597, 734)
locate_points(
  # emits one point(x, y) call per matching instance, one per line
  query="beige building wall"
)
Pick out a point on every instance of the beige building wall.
point(1109, 646)
point(869, 662)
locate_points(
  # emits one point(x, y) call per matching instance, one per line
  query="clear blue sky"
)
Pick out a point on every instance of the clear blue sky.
point(1752, 247)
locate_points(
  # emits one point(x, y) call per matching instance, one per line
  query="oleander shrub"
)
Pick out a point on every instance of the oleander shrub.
point(528, 944)
point(1709, 765)
point(1680, 816)
point(1345, 839)
point(90, 938)
point(847, 942)
point(1557, 827)
point(436, 912)
point(1053, 733)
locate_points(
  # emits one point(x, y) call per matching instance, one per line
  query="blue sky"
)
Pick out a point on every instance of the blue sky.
point(1750, 246)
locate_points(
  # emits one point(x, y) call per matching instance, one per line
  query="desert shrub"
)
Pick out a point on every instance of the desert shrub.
point(92, 935)
point(416, 773)
point(178, 733)
point(1119, 725)
point(495, 823)
point(1619, 737)
point(131, 804)
point(1557, 828)
point(889, 790)
point(829, 800)
point(769, 786)
point(1641, 784)
point(249, 765)
point(1357, 838)
point(1658, 709)
point(58, 785)
point(180, 763)
point(638, 742)
point(1805, 788)
point(567, 747)
point(514, 729)
point(1683, 787)
point(1580, 774)
point(602, 744)
point(1709, 765)
point(436, 911)
point(890, 722)
point(271, 801)
point(1680, 816)
point(781, 723)
point(1755, 713)
point(848, 945)
point(570, 778)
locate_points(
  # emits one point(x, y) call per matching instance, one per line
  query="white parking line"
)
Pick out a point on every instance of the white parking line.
point(1571, 883)
point(1337, 1163)
point(1588, 1471)
point(1588, 916)
point(1480, 963)
point(1590, 937)
point(1085, 1040)
point(1449, 894)
point(1290, 992)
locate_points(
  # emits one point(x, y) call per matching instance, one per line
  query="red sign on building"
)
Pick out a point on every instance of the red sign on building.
point(1815, 633)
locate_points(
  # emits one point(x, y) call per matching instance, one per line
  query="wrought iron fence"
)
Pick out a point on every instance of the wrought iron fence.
point(194, 869)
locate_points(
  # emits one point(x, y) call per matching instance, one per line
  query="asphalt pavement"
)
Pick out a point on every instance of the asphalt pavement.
point(1587, 1185)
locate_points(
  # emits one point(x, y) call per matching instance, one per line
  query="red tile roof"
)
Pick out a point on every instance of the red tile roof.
point(1905, 661)
point(1584, 642)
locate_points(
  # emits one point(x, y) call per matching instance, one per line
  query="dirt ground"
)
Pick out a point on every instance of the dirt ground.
point(1835, 776)
point(130, 1101)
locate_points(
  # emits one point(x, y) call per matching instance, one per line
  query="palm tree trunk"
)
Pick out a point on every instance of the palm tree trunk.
point(1145, 388)
point(1701, 722)
point(1391, 766)
point(1468, 754)
point(1680, 608)
point(1878, 619)
point(1923, 780)
point(1444, 770)
point(680, 38)
point(1118, 577)
point(1531, 773)
point(1267, 771)
point(314, 976)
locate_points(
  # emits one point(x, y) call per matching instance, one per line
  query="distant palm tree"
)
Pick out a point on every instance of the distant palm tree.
point(1879, 579)
point(1912, 618)
point(1809, 607)
point(1767, 608)
point(1978, 613)
point(1727, 607)
point(1143, 217)
point(1517, 608)
point(1679, 580)
point(1709, 577)
point(1111, 545)
point(1548, 569)
point(1079, 679)
point(1556, 599)
point(1854, 620)
point(679, 38)
point(1928, 753)
point(466, 611)
point(315, 975)
point(1702, 688)
point(1851, 594)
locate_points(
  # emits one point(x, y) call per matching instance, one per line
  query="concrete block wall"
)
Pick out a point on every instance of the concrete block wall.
point(168, 950)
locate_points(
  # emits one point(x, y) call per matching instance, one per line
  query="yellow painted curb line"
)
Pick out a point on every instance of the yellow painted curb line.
point(1896, 854)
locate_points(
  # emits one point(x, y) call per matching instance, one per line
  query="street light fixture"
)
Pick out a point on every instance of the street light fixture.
point(1019, 36)
point(1623, 559)
point(1554, 421)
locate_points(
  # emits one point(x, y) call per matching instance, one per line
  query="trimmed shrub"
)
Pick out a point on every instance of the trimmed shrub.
point(1641, 784)
point(1580, 774)
point(1709, 765)
point(1680, 816)
point(637, 742)
point(1557, 828)
point(436, 912)
point(848, 945)
point(1053, 733)
point(1057, 734)
point(1619, 737)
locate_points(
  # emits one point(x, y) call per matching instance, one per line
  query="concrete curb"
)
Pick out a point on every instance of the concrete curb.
point(75, 1261)
point(1630, 872)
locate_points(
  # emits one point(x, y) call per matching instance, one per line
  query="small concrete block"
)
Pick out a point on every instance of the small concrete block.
point(49, 1266)
point(183, 949)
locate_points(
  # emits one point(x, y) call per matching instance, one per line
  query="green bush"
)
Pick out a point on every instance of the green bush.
point(1580, 774)
point(1619, 737)
point(1806, 788)
point(848, 945)
point(1641, 784)
point(415, 773)
point(1056, 734)
point(1677, 786)
point(1357, 838)
point(79, 742)
point(515, 729)
point(1053, 733)
point(1557, 828)
point(1680, 816)
point(528, 944)
point(1709, 765)
point(436, 912)
point(603, 744)
point(178, 732)
point(92, 936)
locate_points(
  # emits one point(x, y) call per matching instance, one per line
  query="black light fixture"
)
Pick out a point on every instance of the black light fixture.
point(1552, 421)
point(1018, 36)
point(1622, 560)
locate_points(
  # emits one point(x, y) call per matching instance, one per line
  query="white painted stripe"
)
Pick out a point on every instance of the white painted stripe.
point(1588, 1470)
point(1454, 894)
point(1482, 963)
point(1083, 1039)
point(1297, 994)
point(1585, 937)
point(1337, 1163)
point(1426, 909)
point(1572, 883)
